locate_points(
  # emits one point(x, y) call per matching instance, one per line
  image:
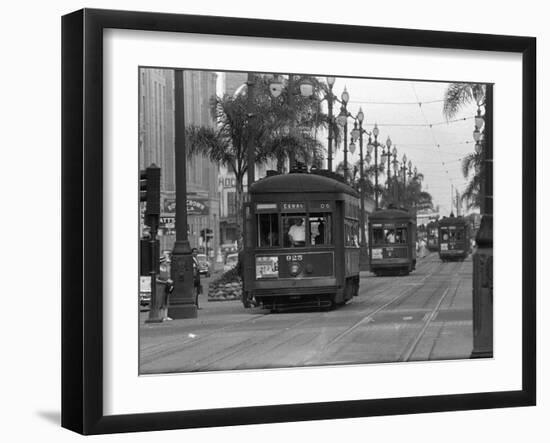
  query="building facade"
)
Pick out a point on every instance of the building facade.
point(156, 145)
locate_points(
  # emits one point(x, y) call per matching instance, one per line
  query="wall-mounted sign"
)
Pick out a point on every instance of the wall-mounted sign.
point(195, 206)
point(227, 182)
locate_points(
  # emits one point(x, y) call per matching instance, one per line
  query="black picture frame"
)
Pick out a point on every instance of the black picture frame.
point(82, 218)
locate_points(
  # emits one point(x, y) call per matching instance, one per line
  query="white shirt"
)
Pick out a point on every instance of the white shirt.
point(297, 233)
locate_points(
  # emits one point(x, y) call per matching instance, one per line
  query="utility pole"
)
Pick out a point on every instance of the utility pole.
point(182, 301)
point(483, 257)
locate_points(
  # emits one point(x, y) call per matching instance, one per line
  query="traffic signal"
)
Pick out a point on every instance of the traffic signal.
point(149, 189)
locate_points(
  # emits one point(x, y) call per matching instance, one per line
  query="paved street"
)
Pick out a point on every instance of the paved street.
point(424, 316)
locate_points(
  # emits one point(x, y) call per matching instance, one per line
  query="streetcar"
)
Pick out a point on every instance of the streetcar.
point(454, 238)
point(432, 237)
point(392, 241)
point(301, 244)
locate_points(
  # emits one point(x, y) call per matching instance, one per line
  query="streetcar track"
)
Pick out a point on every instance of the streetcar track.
point(407, 290)
point(235, 347)
point(180, 343)
point(246, 346)
point(410, 349)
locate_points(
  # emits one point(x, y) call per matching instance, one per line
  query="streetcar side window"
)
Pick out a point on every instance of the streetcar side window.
point(294, 230)
point(444, 234)
point(351, 232)
point(268, 230)
point(378, 236)
point(401, 235)
point(320, 228)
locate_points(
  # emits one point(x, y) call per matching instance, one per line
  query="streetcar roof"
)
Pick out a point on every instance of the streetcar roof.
point(391, 214)
point(451, 221)
point(300, 183)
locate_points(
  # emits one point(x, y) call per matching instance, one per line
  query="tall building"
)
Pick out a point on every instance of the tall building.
point(156, 145)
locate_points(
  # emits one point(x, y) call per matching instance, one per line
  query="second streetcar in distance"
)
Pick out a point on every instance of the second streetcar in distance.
point(454, 238)
point(301, 242)
point(392, 242)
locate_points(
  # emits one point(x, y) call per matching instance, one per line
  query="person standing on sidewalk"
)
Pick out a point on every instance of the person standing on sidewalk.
point(196, 276)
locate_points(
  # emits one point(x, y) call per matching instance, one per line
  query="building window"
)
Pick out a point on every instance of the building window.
point(231, 203)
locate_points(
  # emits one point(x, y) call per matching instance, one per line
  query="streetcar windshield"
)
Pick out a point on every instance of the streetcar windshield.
point(294, 229)
point(268, 230)
point(297, 230)
point(387, 236)
point(320, 229)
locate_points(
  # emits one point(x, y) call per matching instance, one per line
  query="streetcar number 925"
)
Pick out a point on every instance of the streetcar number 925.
point(294, 257)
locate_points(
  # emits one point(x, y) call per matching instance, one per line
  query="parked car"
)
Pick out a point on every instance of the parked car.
point(204, 265)
point(231, 261)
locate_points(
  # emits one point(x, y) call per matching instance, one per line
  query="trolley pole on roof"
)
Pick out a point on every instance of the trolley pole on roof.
point(182, 302)
point(483, 257)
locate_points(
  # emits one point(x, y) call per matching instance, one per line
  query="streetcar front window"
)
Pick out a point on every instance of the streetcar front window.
point(389, 236)
point(268, 230)
point(294, 230)
point(320, 229)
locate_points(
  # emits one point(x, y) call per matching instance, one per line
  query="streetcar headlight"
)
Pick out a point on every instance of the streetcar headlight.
point(294, 269)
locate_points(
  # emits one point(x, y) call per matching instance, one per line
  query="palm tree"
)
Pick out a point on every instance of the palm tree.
point(472, 193)
point(457, 96)
point(269, 126)
point(354, 176)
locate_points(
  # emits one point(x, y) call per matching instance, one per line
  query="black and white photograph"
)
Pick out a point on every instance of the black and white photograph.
point(307, 220)
point(275, 221)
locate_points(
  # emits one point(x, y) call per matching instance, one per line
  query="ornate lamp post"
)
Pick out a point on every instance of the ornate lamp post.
point(182, 303)
point(395, 183)
point(306, 90)
point(357, 133)
point(404, 169)
point(370, 147)
point(343, 121)
point(388, 154)
point(331, 98)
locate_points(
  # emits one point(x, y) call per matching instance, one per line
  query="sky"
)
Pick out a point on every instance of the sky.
point(436, 150)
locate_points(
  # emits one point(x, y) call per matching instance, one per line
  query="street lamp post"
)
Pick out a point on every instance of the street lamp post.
point(388, 154)
point(370, 148)
point(331, 98)
point(395, 183)
point(343, 121)
point(250, 145)
point(182, 302)
point(306, 90)
point(363, 253)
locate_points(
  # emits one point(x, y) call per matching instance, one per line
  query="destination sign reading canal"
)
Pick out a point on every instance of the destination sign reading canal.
point(293, 207)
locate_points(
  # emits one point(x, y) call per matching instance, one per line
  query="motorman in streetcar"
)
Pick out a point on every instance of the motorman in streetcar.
point(297, 233)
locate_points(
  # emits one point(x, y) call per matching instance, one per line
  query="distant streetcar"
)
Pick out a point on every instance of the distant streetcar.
point(392, 242)
point(301, 241)
point(432, 231)
point(454, 238)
